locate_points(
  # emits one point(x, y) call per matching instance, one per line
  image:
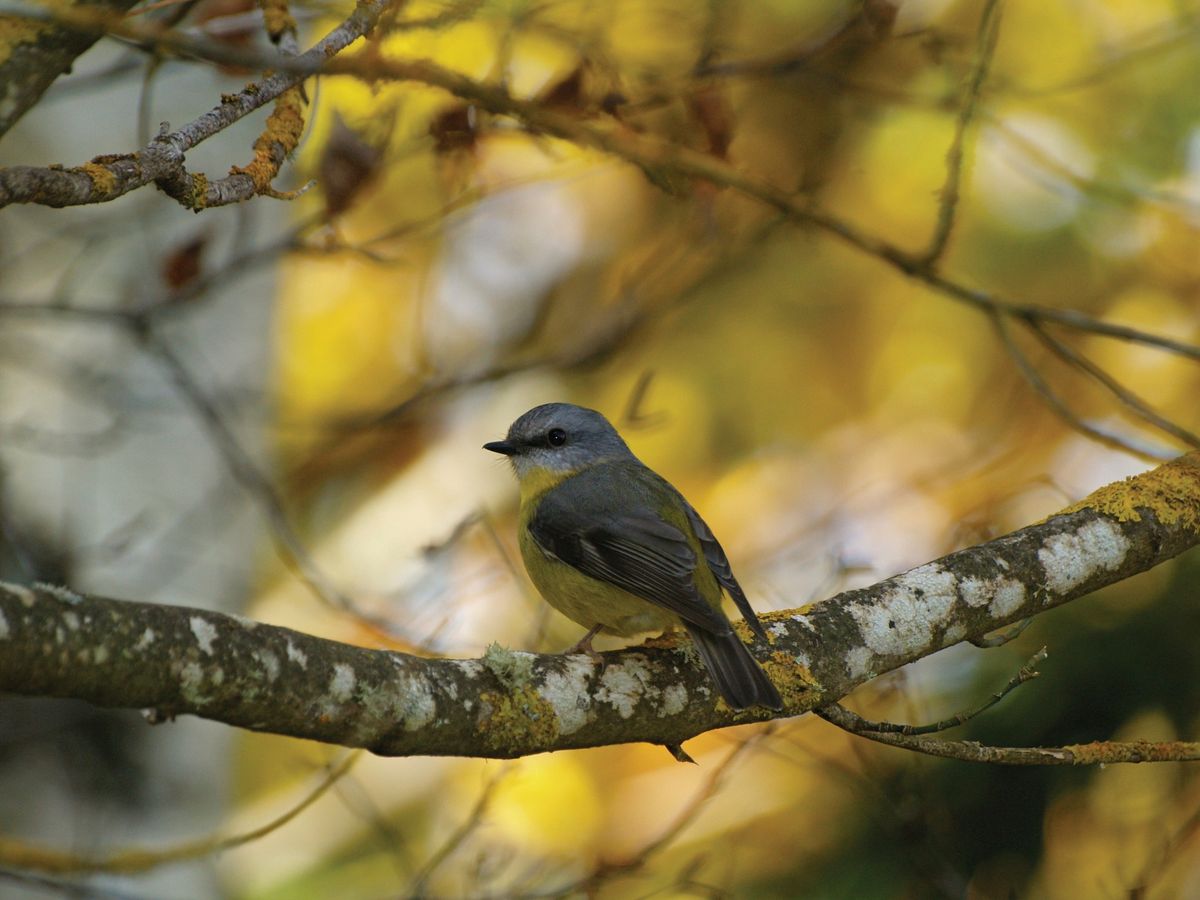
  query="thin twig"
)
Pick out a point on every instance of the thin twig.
point(474, 819)
point(291, 548)
point(1035, 380)
point(1151, 44)
point(1095, 753)
point(13, 853)
point(391, 836)
point(665, 838)
point(1158, 862)
point(654, 155)
point(64, 887)
point(1026, 673)
point(1128, 398)
point(989, 29)
point(635, 415)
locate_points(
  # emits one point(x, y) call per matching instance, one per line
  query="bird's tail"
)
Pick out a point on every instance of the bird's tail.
point(738, 676)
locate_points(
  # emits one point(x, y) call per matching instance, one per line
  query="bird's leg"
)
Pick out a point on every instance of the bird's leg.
point(584, 645)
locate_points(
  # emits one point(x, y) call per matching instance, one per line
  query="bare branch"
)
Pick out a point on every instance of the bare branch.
point(1150, 44)
point(989, 29)
point(1052, 399)
point(1095, 753)
point(655, 156)
point(1128, 398)
point(128, 862)
point(473, 820)
point(650, 153)
point(842, 716)
point(1157, 862)
point(635, 862)
point(246, 472)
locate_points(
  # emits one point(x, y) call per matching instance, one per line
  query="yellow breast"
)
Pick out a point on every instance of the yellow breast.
point(579, 597)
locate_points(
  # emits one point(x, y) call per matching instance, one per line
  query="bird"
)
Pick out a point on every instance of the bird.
point(616, 548)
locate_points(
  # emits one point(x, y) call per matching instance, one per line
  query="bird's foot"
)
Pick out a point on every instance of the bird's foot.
point(584, 645)
point(680, 755)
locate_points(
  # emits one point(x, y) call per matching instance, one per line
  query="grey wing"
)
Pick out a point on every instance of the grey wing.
point(638, 553)
point(718, 563)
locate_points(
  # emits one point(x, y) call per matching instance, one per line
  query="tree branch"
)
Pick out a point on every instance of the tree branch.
point(162, 160)
point(34, 53)
point(1094, 753)
point(989, 29)
point(176, 660)
point(851, 721)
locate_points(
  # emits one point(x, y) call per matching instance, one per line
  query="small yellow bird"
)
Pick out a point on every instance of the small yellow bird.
point(613, 546)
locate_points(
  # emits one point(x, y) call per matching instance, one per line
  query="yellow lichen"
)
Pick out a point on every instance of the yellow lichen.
point(276, 18)
point(279, 138)
point(1171, 492)
point(18, 30)
point(15, 31)
point(668, 640)
point(199, 197)
point(795, 682)
point(519, 718)
point(103, 179)
point(1131, 751)
point(783, 617)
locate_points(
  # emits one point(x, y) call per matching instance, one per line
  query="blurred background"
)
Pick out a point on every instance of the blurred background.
point(296, 437)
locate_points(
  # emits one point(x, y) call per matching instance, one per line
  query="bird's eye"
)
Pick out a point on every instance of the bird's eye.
point(556, 437)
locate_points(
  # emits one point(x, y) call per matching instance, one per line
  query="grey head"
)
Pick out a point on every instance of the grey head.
point(560, 437)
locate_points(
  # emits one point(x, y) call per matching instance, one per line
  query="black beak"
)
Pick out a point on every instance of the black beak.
point(505, 447)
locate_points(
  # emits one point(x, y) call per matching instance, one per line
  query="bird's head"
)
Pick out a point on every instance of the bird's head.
point(560, 439)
